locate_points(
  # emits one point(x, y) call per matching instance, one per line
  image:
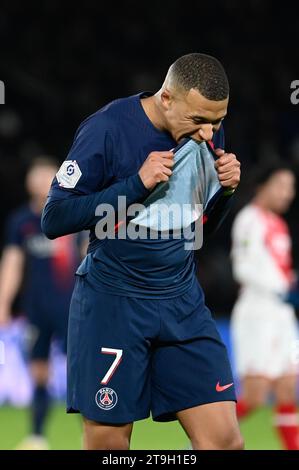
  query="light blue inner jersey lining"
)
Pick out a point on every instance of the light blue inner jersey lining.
point(193, 183)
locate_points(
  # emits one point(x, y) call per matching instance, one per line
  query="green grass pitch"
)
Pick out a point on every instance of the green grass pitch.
point(64, 431)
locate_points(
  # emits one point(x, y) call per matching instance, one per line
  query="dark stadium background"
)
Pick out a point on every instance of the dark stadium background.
point(61, 61)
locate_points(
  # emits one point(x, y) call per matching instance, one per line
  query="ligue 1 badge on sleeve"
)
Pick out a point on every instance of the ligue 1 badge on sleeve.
point(106, 398)
point(68, 174)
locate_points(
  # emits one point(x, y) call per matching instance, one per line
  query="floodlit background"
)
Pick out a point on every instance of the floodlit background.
point(61, 62)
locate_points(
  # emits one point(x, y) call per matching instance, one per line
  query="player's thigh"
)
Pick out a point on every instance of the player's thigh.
point(99, 436)
point(212, 426)
point(255, 390)
point(285, 389)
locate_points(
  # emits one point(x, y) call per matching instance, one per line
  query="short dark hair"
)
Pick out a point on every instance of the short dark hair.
point(265, 172)
point(203, 72)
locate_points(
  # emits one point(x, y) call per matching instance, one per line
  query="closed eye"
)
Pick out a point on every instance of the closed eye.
point(206, 121)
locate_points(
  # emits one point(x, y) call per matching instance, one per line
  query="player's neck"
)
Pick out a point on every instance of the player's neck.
point(262, 203)
point(151, 108)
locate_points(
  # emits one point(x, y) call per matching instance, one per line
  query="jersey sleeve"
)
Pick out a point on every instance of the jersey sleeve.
point(89, 165)
point(85, 180)
point(216, 212)
point(221, 204)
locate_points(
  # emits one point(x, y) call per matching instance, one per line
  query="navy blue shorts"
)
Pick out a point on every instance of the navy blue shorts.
point(129, 357)
point(46, 322)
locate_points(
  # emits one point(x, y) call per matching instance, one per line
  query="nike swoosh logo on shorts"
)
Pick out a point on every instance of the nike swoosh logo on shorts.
point(221, 388)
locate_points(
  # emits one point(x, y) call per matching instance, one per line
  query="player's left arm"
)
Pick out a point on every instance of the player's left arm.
point(228, 170)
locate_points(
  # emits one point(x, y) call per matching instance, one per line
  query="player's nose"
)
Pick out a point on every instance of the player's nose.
point(206, 132)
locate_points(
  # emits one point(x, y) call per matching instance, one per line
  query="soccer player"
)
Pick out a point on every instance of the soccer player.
point(140, 337)
point(42, 271)
point(264, 327)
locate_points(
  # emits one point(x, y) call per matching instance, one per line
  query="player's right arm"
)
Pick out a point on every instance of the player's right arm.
point(85, 179)
point(11, 275)
point(11, 266)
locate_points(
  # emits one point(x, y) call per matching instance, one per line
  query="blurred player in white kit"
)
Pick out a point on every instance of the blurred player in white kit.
point(264, 327)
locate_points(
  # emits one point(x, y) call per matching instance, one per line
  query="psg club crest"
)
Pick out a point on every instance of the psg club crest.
point(106, 398)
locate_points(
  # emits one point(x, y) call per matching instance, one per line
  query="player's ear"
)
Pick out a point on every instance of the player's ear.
point(166, 98)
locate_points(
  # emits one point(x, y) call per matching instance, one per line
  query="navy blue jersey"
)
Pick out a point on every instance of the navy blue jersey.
point(49, 264)
point(103, 163)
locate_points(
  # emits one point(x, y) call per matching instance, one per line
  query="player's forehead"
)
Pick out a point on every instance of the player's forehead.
point(283, 176)
point(198, 105)
point(43, 169)
point(40, 174)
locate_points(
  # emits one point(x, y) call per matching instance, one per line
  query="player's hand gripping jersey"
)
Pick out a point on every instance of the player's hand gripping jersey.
point(192, 186)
